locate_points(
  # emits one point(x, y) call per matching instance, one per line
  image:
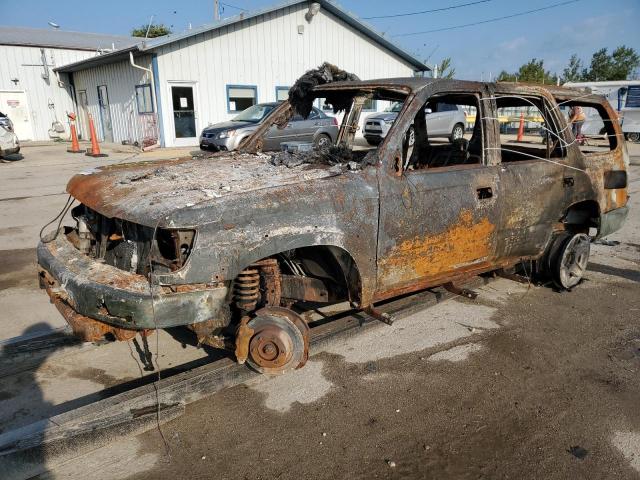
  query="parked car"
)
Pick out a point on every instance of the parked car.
point(239, 251)
point(9, 143)
point(6, 122)
point(443, 120)
point(318, 128)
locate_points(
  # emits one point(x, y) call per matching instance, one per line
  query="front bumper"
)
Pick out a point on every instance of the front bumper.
point(9, 151)
point(217, 144)
point(83, 287)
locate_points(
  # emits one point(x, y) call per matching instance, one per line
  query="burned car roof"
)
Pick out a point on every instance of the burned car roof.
point(415, 84)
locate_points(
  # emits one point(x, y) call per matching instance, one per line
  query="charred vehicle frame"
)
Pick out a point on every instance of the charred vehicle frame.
point(238, 248)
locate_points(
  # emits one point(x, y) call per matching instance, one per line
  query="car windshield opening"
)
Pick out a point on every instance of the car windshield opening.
point(337, 134)
point(254, 114)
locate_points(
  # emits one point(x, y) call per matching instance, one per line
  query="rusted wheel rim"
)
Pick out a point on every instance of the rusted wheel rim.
point(574, 259)
point(279, 343)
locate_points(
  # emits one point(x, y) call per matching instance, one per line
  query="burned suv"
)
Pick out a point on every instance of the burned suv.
point(239, 246)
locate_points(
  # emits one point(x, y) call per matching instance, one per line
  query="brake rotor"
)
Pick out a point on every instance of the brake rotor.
point(280, 341)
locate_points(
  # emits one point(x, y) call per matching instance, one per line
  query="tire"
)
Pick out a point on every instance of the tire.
point(322, 141)
point(633, 136)
point(374, 142)
point(567, 259)
point(457, 132)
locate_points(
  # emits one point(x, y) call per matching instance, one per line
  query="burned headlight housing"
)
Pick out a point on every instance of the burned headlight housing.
point(172, 248)
point(130, 246)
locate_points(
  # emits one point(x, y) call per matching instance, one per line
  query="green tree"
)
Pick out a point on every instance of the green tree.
point(573, 71)
point(620, 65)
point(505, 76)
point(533, 71)
point(600, 68)
point(625, 62)
point(445, 70)
point(158, 30)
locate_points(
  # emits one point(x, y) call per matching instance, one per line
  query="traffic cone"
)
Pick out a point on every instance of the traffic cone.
point(94, 151)
point(521, 127)
point(75, 146)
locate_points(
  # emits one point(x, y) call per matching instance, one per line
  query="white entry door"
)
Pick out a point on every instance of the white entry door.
point(13, 103)
point(184, 114)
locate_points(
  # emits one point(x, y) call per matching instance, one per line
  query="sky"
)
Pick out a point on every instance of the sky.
point(478, 52)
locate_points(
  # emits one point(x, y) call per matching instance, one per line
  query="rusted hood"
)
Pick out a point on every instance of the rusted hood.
point(148, 192)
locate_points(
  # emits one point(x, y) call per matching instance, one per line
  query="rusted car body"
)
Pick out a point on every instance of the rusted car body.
point(238, 247)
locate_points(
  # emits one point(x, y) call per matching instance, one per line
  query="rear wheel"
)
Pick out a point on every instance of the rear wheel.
point(568, 259)
point(457, 133)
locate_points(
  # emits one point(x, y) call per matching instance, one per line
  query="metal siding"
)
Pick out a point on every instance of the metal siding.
point(266, 51)
point(120, 79)
point(16, 62)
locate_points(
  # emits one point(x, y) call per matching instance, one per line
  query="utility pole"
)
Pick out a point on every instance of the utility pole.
point(216, 10)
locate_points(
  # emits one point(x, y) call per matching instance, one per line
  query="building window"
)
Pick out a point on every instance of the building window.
point(241, 97)
point(144, 99)
point(369, 105)
point(282, 94)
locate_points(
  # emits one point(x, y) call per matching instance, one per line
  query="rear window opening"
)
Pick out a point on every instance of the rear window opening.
point(590, 126)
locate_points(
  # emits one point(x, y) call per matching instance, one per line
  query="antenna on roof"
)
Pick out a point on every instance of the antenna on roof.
point(54, 25)
point(149, 27)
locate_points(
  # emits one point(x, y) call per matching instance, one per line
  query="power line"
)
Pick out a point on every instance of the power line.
point(488, 21)
point(427, 11)
point(233, 6)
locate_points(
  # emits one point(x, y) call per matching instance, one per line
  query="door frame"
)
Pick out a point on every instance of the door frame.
point(108, 109)
point(190, 141)
point(29, 113)
point(83, 113)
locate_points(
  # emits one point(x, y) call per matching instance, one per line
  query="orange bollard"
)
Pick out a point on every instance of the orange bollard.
point(94, 151)
point(75, 146)
point(521, 128)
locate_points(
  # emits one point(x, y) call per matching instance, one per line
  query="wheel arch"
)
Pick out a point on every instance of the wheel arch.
point(337, 256)
point(581, 216)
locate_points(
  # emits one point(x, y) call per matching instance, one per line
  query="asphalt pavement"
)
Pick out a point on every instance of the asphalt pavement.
point(523, 382)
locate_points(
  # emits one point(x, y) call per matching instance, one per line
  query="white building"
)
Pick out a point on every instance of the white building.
point(31, 93)
point(167, 89)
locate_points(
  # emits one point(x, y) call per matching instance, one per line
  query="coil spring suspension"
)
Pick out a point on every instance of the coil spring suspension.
point(246, 289)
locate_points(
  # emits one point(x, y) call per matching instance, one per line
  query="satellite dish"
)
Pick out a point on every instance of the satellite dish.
point(54, 25)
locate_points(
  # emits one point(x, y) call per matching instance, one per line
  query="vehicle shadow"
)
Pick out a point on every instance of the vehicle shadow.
point(32, 461)
point(12, 158)
point(625, 273)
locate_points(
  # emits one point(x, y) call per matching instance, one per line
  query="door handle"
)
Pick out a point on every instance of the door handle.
point(567, 182)
point(484, 193)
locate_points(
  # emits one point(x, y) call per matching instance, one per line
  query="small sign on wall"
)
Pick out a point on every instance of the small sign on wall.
point(232, 105)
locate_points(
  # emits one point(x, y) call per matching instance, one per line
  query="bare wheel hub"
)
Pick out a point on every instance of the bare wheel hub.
point(271, 347)
point(280, 341)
